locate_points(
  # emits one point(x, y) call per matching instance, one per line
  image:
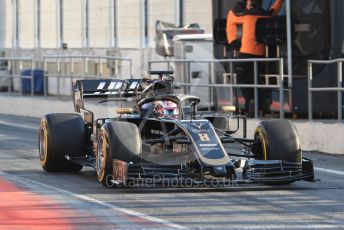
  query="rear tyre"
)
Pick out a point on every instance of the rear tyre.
point(278, 140)
point(116, 140)
point(59, 135)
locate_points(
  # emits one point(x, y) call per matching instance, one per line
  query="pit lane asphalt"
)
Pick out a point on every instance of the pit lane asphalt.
point(302, 205)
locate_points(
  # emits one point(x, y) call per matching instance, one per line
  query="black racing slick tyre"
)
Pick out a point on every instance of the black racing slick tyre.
point(116, 140)
point(278, 140)
point(61, 134)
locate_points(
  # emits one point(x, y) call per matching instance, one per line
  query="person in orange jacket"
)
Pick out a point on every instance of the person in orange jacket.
point(234, 19)
point(254, 11)
point(250, 48)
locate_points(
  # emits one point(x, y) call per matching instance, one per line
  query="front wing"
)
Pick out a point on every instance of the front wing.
point(254, 172)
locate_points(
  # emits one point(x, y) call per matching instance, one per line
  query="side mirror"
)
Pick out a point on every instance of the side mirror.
point(228, 109)
point(193, 109)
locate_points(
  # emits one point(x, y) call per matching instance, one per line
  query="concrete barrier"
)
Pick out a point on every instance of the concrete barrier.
point(39, 106)
point(322, 136)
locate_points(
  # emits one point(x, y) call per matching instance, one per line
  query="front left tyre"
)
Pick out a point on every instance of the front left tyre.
point(278, 140)
point(61, 134)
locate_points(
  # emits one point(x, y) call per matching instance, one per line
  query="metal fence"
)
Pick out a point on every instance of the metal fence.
point(65, 67)
point(12, 69)
point(212, 85)
point(339, 89)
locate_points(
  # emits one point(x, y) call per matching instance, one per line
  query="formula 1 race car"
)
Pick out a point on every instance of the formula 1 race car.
point(162, 136)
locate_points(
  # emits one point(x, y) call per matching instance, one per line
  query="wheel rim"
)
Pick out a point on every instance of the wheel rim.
point(101, 155)
point(41, 144)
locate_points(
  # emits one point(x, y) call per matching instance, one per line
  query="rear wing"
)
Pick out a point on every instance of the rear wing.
point(105, 90)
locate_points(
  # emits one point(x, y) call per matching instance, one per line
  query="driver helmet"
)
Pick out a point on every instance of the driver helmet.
point(170, 108)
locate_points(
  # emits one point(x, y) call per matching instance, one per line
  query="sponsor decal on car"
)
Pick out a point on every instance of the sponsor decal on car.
point(204, 137)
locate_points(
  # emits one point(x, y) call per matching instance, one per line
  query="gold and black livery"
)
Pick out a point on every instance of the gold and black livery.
point(180, 143)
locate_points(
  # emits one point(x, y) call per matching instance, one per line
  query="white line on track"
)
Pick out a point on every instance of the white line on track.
point(92, 200)
point(289, 226)
point(329, 171)
point(4, 137)
point(18, 125)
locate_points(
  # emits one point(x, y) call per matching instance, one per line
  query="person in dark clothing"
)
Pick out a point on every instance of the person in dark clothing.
point(250, 48)
point(234, 33)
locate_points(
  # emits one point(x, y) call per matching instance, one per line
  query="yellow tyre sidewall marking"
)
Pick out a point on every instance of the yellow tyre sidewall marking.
point(44, 128)
point(264, 141)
